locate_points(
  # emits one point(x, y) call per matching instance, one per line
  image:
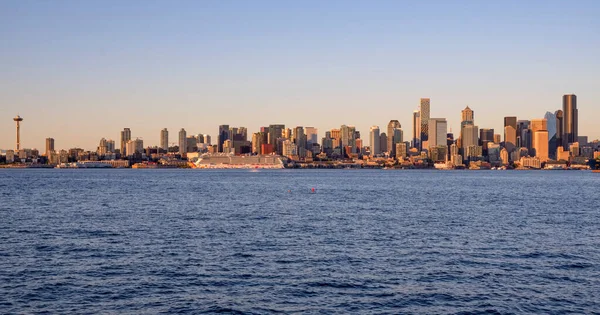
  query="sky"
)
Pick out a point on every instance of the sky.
point(79, 71)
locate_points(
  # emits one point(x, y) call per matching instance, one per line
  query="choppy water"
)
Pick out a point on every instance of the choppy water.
point(148, 241)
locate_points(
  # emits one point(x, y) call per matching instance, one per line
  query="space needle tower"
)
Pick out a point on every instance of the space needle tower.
point(18, 120)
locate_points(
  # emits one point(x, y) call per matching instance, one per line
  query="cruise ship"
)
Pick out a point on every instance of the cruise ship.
point(227, 161)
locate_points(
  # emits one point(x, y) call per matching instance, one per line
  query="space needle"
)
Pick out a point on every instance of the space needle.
point(18, 120)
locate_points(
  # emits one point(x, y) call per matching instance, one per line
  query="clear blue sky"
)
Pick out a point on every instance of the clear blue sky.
point(82, 70)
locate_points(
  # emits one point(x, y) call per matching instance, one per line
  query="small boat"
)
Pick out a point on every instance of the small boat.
point(595, 171)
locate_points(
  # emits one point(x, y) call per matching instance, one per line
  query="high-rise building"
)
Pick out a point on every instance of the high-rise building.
point(469, 136)
point(524, 134)
point(438, 132)
point(401, 150)
point(416, 140)
point(299, 138)
point(425, 110)
point(559, 128)
point(134, 146)
point(374, 141)
point(551, 122)
point(510, 133)
point(537, 125)
point(222, 137)
point(125, 137)
point(383, 142)
point(182, 142)
point(348, 137)
point(257, 142)
point(541, 144)
point(49, 146)
point(467, 116)
point(570, 121)
point(275, 132)
point(486, 136)
point(311, 136)
point(164, 139)
point(392, 125)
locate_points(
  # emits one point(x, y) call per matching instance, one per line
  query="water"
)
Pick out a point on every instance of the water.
point(367, 241)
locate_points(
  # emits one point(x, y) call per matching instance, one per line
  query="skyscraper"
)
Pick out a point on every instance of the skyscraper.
point(552, 139)
point(486, 136)
point(524, 134)
point(416, 140)
point(467, 116)
point(510, 133)
point(275, 132)
point(182, 142)
point(125, 137)
point(424, 117)
point(49, 146)
point(537, 125)
point(541, 145)
point(374, 141)
point(311, 136)
point(469, 136)
point(222, 137)
point(392, 125)
point(164, 139)
point(348, 137)
point(570, 121)
point(438, 132)
point(559, 128)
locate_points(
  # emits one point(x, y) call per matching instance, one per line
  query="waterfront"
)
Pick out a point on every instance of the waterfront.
point(420, 241)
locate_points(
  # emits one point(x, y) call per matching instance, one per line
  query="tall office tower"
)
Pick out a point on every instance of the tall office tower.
point(541, 144)
point(398, 137)
point(486, 136)
point(182, 141)
point(200, 138)
point(374, 141)
point(383, 142)
point(552, 137)
point(497, 138)
point(510, 133)
point(537, 125)
point(18, 121)
point(110, 146)
point(393, 124)
point(207, 139)
point(524, 134)
point(49, 146)
point(425, 110)
point(164, 139)
point(348, 134)
point(311, 136)
point(275, 132)
point(467, 116)
point(125, 137)
point(438, 132)
point(559, 128)
point(416, 140)
point(222, 137)
point(570, 122)
point(299, 138)
point(469, 136)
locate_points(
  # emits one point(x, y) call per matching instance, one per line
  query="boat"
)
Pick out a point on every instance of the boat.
point(595, 171)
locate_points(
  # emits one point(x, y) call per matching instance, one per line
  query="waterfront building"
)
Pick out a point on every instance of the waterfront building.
point(570, 120)
point(164, 139)
point(374, 141)
point(574, 149)
point(530, 162)
point(438, 153)
point(182, 142)
point(493, 152)
point(125, 137)
point(191, 144)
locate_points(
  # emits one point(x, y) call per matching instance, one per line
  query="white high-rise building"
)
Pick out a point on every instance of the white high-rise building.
point(374, 140)
point(164, 139)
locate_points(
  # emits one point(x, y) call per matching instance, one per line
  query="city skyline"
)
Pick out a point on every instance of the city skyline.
point(199, 65)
